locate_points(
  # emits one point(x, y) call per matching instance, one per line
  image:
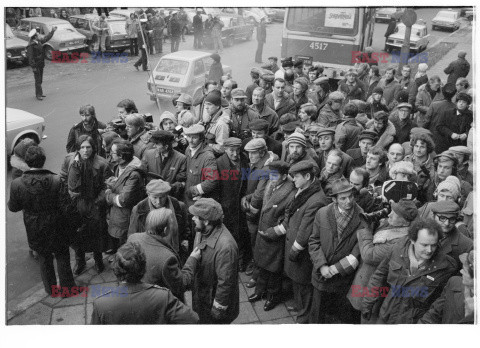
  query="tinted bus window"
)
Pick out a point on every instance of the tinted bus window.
point(322, 20)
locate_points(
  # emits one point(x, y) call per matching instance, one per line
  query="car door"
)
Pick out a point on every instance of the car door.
point(23, 29)
point(198, 73)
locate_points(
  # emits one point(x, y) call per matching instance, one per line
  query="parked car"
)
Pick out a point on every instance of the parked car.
point(116, 40)
point(446, 19)
point(15, 48)
point(419, 37)
point(66, 39)
point(384, 14)
point(22, 124)
point(467, 12)
point(235, 28)
point(181, 72)
point(121, 13)
point(275, 14)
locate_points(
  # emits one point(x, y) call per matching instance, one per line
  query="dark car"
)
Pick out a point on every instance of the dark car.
point(235, 28)
point(15, 48)
point(116, 40)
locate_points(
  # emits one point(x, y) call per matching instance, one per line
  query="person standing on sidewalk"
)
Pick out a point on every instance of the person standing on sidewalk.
point(183, 19)
point(175, 32)
point(36, 58)
point(131, 29)
point(158, 26)
point(142, 43)
point(458, 68)
point(38, 194)
point(197, 30)
point(261, 39)
point(100, 27)
point(217, 34)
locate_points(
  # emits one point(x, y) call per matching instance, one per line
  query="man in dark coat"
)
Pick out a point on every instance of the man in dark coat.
point(175, 32)
point(259, 129)
point(366, 140)
point(392, 25)
point(142, 38)
point(326, 140)
point(89, 126)
point(255, 76)
point(37, 192)
point(403, 122)
point(335, 254)
point(457, 68)
point(197, 30)
point(278, 100)
point(36, 58)
point(352, 87)
point(215, 293)
point(297, 225)
point(347, 132)
point(261, 39)
point(266, 113)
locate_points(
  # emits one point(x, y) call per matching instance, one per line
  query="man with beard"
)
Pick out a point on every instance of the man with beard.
point(216, 121)
point(331, 114)
point(278, 100)
point(366, 140)
point(255, 76)
point(240, 115)
point(259, 129)
point(89, 126)
point(266, 113)
point(359, 179)
point(166, 162)
point(297, 151)
point(326, 141)
point(137, 134)
point(335, 255)
point(319, 96)
point(297, 225)
point(215, 293)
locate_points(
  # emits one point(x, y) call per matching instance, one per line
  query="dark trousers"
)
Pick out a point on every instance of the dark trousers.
point(269, 282)
point(302, 295)
point(38, 75)
point(80, 256)
point(258, 54)
point(332, 308)
point(133, 46)
point(197, 39)
point(175, 43)
point(150, 44)
point(143, 59)
point(63, 268)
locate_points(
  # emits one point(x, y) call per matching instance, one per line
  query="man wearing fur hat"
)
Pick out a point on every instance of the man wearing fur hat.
point(215, 293)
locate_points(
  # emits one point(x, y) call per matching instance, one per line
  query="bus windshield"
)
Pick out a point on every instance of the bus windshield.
point(323, 20)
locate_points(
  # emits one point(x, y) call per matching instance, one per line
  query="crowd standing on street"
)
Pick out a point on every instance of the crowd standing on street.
point(285, 179)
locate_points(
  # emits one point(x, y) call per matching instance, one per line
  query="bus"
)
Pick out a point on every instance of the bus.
point(328, 36)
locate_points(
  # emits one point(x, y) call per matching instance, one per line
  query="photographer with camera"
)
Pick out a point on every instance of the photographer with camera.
point(376, 243)
point(240, 114)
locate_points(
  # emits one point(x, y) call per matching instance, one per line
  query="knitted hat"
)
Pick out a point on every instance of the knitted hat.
point(215, 57)
point(297, 138)
point(378, 90)
point(406, 209)
point(21, 148)
point(214, 97)
point(451, 184)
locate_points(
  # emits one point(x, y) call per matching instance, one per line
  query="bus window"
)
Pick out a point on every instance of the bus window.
point(322, 20)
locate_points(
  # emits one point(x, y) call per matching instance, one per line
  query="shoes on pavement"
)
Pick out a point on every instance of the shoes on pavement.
point(40, 98)
point(271, 303)
point(44, 96)
point(136, 67)
point(250, 268)
point(254, 297)
point(99, 267)
point(251, 283)
point(146, 70)
point(79, 267)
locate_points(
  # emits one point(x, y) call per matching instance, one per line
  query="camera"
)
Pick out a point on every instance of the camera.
point(178, 131)
point(376, 216)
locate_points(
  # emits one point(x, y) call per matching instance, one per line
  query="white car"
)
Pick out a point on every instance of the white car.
point(384, 14)
point(22, 124)
point(419, 38)
point(446, 19)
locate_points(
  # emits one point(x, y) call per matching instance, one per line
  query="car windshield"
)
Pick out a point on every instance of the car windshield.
point(416, 32)
point(8, 32)
point(172, 66)
point(117, 27)
point(446, 14)
point(62, 27)
point(323, 20)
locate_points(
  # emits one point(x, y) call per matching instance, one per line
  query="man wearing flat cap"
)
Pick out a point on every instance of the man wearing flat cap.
point(402, 121)
point(366, 140)
point(158, 192)
point(266, 80)
point(232, 188)
point(278, 100)
point(331, 114)
point(326, 141)
point(165, 162)
point(265, 112)
point(463, 155)
point(255, 76)
point(347, 132)
point(335, 255)
point(319, 96)
point(271, 65)
point(36, 58)
point(260, 129)
point(457, 68)
point(215, 293)
point(352, 87)
point(376, 244)
point(200, 164)
point(240, 114)
point(457, 303)
point(297, 225)
point(453, 243)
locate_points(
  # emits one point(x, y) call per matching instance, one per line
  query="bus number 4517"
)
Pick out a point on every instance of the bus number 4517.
point(318, 46)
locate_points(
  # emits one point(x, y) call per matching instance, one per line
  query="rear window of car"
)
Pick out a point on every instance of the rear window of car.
point(172, 66)
point(62, 27)
point(446, 14)
point(117, 27)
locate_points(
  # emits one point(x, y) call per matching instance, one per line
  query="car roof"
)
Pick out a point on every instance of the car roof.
point(187, 55)
point(44, 20)
point(92, 16)
point(18, 115)
point(415, 26)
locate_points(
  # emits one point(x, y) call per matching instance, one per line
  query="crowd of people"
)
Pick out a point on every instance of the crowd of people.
point(285, 180)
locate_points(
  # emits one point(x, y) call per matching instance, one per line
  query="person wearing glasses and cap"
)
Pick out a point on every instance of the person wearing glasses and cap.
point(36, 58)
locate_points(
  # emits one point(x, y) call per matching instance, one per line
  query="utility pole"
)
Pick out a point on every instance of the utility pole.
point(408, 18)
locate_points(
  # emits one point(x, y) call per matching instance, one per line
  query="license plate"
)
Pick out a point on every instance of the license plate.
point(305, 59)
point(165, 90)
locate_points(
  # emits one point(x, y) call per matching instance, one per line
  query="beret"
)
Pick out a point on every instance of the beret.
point(290, 127)
point(256, 144)
point(231, 142)
point(325, 131)
point(406, 209)
point(214, 97)
point(462, 54)
point(195, 129)
point(215, 57)
point(158, 187)
point(321, 80)
point(314, 128)
point(447, 154)
point(280, 166)
point(207, 209)
point(460, 149)
point(161, 136)
point(340, 186)
point(302, 166)
point(366, 134)
point(238, 93)
point(185, 99)
point(419, 130)
point(258, 125)
point(445, 207)
point(297, 138)
point(255, 71)
point(404, 105)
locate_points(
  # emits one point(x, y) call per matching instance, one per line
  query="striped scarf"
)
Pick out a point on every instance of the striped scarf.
point(342, 218)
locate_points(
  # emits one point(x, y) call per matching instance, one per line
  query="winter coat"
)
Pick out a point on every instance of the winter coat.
point(346, 134)
point(455, 244)
point(141, 303)
point(394, 271)
point(357, 91)
point(372, 107)
point(35, 52)
point(18, 166)
point(286, 105)
point(456, 69)
point(37, 192)
point(216, 72)
point(357, 159)
point(390, 90)
point(422, 102)
point(269, 115)
point(141, 142)
point(127, 190)
point(217, 130)
point(257, 178)
point(329, 118)
point(163, 265)
point(131, 28)
point(240, 121)
point(402, 130)
point(77, 130)
point(387, 137)
point(326, 248)
point(449, 123)
point(372, 83)
point(419, 81)
point(216, 279)
point(197, 23)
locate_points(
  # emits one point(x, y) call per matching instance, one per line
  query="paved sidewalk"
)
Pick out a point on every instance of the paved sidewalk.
point(36, 308)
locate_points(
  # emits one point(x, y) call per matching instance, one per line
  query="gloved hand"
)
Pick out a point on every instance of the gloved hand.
point(294, 254)
point(269, 234)
point(218, 313)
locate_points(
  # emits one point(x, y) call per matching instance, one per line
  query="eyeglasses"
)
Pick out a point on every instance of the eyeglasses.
point(443, 219)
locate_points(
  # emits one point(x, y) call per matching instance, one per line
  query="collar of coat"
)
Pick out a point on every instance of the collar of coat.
point(451, 238)
point(212, 239)
point(303, 197)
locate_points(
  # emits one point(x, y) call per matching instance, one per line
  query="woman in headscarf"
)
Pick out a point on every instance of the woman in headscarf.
point(160, 242)
point(86, 175)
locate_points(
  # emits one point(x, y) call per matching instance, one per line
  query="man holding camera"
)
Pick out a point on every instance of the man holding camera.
point(240, 114)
